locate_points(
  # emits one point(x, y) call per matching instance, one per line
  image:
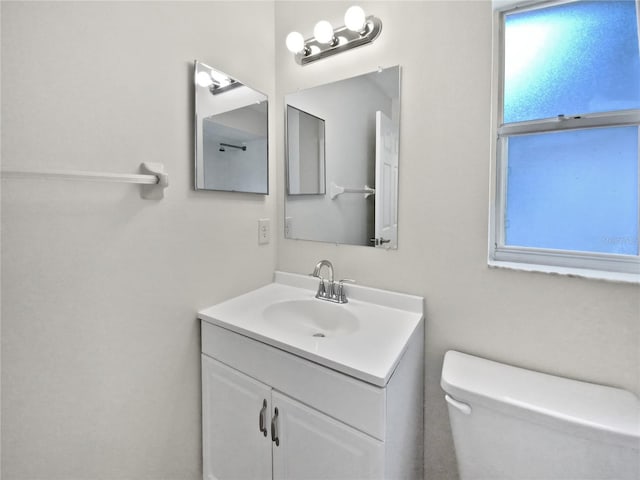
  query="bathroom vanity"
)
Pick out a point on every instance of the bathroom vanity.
point(295, 387)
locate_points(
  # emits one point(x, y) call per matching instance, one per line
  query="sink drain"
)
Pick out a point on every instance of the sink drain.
point(321, 335)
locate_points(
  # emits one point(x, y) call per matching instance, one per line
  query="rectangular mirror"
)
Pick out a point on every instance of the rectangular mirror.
point(231, 134)
point(359, 121)
point(305, 153)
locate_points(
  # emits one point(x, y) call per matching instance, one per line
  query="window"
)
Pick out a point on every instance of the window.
point(568, 139)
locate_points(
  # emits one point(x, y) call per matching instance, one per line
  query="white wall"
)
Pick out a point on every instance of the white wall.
point(568, 326)
point(100, 343)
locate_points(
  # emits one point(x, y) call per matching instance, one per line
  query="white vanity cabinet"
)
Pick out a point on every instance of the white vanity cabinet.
point(328, 426)
point(297, 388)
point(253, 432)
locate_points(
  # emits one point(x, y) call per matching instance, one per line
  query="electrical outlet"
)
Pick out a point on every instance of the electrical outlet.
point(264, 231)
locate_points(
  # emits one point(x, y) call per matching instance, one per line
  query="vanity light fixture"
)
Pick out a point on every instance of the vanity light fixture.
point(358, 29)
point(216, 81)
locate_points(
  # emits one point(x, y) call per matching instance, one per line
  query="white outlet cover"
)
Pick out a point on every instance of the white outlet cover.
point(264, 231)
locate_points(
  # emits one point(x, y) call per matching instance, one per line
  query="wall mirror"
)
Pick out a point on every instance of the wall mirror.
point(360, 123)
point(231, 134)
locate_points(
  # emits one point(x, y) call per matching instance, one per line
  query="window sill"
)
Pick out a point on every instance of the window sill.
point(617, 277)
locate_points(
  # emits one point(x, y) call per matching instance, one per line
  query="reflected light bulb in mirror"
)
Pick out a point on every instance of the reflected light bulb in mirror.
point(221, 79)
point(204, 79)
point(354, 19)
point(295, 42)
point(323, 31)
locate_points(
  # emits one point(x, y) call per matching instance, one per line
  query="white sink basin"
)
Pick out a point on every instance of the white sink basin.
point(316, 318)
point(364, 338)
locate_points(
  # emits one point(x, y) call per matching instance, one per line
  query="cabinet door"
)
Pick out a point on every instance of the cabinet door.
point(315, 446)
point(234, 408)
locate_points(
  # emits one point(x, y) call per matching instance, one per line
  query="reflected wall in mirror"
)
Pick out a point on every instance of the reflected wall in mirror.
point(231, 134)
point(361, 117)
point(305, 153)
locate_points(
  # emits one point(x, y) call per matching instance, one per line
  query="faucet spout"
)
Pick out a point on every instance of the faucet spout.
point(319, 265)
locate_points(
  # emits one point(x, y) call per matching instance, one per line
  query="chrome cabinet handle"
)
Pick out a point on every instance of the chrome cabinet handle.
point(262, 417)
point(274, 428)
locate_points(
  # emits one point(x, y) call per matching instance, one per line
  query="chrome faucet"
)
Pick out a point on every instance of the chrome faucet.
point(332, 292)
point(324, 292)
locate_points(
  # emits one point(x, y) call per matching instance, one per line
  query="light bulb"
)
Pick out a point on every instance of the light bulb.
point(354, 19)
point(220, 78)
point(204, 79)
point(295, 42)
point(323, 31)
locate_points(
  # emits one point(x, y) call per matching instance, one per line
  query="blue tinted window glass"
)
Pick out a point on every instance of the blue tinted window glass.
point(574, 190)
point(571, 59)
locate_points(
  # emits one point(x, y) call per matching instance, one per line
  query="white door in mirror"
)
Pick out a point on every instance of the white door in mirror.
point(386, 226)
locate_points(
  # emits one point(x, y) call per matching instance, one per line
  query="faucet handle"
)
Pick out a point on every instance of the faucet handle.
point(322, 289)
point(342, 298)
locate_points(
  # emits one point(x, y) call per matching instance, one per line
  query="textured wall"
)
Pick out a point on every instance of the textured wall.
point(100, 344)
point(578, 328)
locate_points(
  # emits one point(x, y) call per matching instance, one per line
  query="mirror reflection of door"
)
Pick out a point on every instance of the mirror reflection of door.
point(386, 224)
point(305, 153)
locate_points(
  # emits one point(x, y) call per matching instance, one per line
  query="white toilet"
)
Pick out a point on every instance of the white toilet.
point(516, 424)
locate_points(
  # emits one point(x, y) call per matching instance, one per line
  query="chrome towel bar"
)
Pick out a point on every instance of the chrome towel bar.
point(152, 177)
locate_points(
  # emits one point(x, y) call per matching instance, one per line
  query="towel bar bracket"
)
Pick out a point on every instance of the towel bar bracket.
point(154, 191)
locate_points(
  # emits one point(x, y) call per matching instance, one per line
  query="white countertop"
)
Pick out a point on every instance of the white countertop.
point(386, 322)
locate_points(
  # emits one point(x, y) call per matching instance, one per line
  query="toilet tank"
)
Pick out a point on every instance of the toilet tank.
point(516, 424)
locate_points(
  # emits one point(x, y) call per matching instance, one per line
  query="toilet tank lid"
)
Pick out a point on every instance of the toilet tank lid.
point(495, 385)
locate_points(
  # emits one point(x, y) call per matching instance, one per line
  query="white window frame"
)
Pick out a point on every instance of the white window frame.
point(624, 268)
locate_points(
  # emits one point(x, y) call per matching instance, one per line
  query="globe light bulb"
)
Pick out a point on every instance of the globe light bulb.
point(354, 19)
point(220, 78)
point(203, 79)
point(323, 31)
point(295, 42)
